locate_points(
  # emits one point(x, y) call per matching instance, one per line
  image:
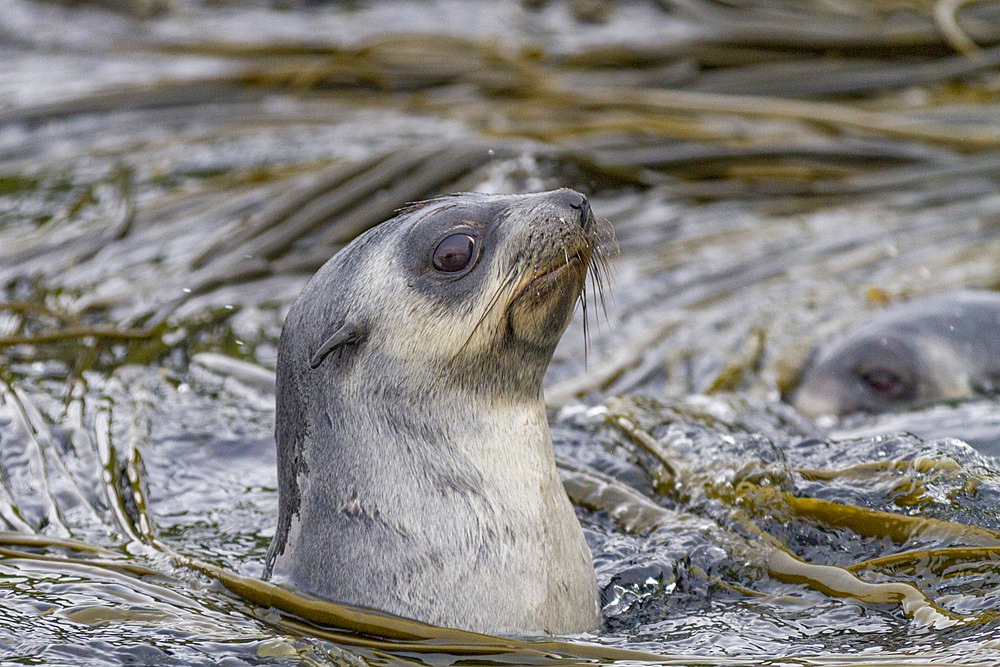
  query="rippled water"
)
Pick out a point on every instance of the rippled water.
point(130, 198)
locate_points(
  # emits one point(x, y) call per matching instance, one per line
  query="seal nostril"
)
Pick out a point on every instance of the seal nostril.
point(582, 205)
point(584, 213)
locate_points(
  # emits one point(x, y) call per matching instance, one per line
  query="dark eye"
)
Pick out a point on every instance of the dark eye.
point(454, 253)
point(884, 382)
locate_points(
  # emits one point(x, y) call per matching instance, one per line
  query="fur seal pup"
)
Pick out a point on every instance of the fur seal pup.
point(415, 466)
point(942, 347)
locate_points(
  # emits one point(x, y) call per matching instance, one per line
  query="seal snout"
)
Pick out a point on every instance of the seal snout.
point(585, 213)
point(578, 202)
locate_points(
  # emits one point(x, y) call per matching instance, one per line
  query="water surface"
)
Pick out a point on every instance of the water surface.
point(168, 184)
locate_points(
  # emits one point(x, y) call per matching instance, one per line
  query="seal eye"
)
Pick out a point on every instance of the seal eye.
point(884, 382)
point(454, 253)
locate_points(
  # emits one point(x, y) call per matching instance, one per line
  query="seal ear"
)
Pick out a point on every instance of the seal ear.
point(350, 333)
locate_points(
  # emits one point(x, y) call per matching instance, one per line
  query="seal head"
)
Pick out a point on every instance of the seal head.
point(415, 465)
point(939, 348)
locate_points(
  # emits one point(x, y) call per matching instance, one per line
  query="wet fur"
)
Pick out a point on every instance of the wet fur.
point(945, 347)
point(415, 464)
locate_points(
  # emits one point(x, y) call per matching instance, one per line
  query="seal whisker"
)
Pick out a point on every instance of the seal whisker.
point(586, 330)
point(601, 274)
point(505, 285)
point(581, 269)
point(597, 292)
point(606, 237)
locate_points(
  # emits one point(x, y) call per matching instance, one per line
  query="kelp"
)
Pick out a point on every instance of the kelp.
point(769, 105)
point(747, 501)
point(123, 480)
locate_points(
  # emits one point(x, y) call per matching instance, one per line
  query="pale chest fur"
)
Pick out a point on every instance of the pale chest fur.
point(476, 533)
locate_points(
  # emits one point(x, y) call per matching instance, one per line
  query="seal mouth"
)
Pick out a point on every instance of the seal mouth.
point(550, 274)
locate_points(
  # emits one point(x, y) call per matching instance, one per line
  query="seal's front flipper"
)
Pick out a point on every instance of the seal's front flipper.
point(349, 334)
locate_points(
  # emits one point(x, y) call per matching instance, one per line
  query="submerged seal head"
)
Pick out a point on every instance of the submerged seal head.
point(415, 465)
point(942, 347)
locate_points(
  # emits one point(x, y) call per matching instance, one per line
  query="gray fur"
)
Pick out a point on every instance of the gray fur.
point(415, 464)
point(941, 347)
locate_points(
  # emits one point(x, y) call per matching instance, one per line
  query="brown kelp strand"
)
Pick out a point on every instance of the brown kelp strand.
point(634, 512)
point(841, 583)
point(691, 159)
point(339, 206)
point(733, 27)
point(171, 94)
point(770, 501)
point(631, 510)
point(900, 528)
point(118, 219)
point(855, 32)
point(31, 541)
point(467, 56)
point(309, 616)
point(348, 625)
point(76, 333)
point(115, 482)
point(390, 633)
point(943, 561)
point(650, 445)
point(35, 309)
point(400, 63)
point(432, 176)
point(824, 113)
point(987, 166)
point(156, 591)
point(748, 360)
point(768, 166)
point(290, 203)
point(366, 181)
point(846, 77)
point(862, 471)
point(133, 481)
point(124, 566)
point(750, 501)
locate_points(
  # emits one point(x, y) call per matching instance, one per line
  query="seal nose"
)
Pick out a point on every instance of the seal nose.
point(577, 201)
point(584, 212)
